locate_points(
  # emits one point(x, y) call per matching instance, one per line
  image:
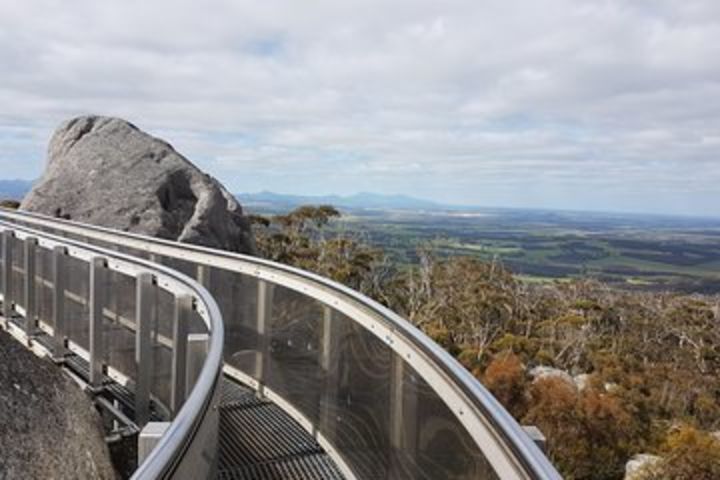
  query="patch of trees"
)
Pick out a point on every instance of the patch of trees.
point(10, 204)
point(649, 362)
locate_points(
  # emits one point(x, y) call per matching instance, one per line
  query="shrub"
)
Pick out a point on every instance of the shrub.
point(505, 378)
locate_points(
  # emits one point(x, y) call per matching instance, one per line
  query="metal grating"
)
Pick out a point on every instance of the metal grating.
point(258, 441)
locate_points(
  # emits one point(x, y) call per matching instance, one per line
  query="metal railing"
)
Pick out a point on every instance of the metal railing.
point(132, 320)
point(382, 398)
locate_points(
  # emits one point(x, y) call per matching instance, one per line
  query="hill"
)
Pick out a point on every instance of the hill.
point(361, 201)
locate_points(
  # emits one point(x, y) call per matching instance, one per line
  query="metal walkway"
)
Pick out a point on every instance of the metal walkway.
point(259, 441)
point(326, 383)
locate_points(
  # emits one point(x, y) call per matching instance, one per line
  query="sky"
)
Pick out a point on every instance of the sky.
point(607, 105)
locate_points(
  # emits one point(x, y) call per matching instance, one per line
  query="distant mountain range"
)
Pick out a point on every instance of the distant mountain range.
point(14, 189)
point(362, 200)
point(278, 202)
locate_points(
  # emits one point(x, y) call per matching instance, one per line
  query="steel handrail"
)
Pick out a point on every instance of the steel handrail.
point(164, 458)
point(528, 459)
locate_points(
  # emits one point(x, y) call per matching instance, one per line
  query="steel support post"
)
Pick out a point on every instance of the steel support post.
point(197, 349)
point(536, 436)
point(149, 437)
point(203, 275)
point(7, 247)
point(403, 408)
point(181, 323)
point(146, 310)
point(29, 287)
point(98, 271)
point(329, 398)
point(58, 300)
point(262, 327)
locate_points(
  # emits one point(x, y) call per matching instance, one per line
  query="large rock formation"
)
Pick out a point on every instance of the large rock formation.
point(105, 171)
point(48, 426)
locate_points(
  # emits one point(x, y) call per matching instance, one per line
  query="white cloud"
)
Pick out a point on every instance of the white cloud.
point(599, 104)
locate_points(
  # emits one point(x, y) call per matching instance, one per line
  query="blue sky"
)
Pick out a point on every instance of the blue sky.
point(604, 104)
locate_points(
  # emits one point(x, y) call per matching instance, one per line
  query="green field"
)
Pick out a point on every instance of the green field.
point(639, 252)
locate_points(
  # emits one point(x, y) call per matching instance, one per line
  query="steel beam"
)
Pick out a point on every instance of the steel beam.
point(29, 287)
point(536, 436)
point(403, 408)
point(329, 398)
point(262, 327)
point(98, 272)
point(197, 350)
point(7, 248)
point(145, 313)
point(58, 296)
point(203, 275)
point(181, 323)
point(149, 437)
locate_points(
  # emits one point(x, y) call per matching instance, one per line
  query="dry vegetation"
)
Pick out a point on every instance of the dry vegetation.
point(651, 360)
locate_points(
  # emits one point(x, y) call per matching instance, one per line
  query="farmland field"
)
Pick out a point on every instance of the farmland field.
point(633, 251)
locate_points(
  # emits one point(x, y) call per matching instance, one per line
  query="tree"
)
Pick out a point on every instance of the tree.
point(299, 239)
point(652, 358)
point(590, 433)
point(687, 454)
point(10, 204)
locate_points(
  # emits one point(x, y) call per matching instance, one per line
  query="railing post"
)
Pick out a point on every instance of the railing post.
point(403, 408)
point(98, 270)
point(203, 275)
point(149, 437)
point(327, 337)
point(58, 295)
point(198, 345)
point(181, 321)
point(264, 310)
point(7, 236)
point(330, 327)
point(536, 436)
point(146, 306)
point(29, 290)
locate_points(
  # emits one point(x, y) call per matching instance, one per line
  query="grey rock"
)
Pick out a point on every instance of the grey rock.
point(48, 426)
point(639, 465)
point(543, 372)
point(582, 381)
point(105, 171)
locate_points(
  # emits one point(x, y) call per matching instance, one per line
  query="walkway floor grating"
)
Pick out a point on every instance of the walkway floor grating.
point(258, 441)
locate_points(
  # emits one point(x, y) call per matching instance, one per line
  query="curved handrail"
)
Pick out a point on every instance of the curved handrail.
point(163, 460)
point(514, 455)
